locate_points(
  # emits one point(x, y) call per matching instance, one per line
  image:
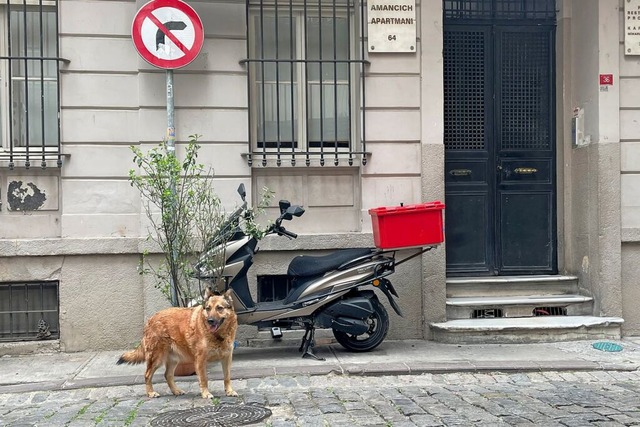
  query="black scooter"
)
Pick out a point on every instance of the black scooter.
point(333, 291)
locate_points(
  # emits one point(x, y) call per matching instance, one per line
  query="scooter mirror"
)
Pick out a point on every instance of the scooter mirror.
point(292, 211)
point(284, 205)
point(296, 210)
point(242, 192)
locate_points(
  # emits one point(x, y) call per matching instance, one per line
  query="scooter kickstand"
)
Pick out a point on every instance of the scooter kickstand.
point(308, 342)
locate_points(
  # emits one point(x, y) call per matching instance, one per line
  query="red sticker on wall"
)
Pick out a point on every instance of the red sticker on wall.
point(606, 79)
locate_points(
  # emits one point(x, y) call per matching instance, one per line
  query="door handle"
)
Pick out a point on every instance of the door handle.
point(460, 172)
point(525, 171)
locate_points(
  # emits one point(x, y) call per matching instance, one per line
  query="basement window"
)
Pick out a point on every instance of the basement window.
point(29, 311)
point(273, 287)
point(487, 313)
point(550, 311)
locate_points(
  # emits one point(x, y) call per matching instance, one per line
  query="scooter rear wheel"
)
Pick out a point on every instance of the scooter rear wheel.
point(378, 328)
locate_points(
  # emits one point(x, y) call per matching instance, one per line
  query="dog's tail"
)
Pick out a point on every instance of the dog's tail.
point(132, 357)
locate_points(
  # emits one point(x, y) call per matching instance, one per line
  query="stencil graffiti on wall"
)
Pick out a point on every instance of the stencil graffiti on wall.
point(24, 196)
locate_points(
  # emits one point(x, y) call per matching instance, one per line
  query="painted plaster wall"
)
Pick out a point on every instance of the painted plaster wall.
point(432, 159)
point(592, 171)
point(88, 234)
point(629, 182)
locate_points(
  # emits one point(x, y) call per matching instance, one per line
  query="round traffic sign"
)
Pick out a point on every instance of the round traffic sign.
point(167, 33)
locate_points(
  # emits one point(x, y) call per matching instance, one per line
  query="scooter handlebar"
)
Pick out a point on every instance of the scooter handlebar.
point(289, 234)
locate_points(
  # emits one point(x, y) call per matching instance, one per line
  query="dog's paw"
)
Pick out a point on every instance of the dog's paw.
point(177, 392)
point(207, 395)
point(153, 394)
point(231, 393)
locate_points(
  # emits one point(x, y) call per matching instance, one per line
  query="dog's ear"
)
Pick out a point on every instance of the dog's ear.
point(208, 293)
point(227, 297)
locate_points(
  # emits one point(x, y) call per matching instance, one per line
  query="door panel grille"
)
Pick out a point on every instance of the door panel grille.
point(499, 9)
point(525, 88)
point(464, 90)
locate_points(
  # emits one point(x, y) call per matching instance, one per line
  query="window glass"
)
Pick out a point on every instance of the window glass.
point(276, 81)
point(306, 83)
point(34, 86)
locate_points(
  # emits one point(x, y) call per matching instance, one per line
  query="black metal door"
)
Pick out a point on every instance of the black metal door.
point(500, 149)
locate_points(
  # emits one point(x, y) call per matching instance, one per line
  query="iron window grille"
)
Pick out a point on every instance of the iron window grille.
point(305, 63)
point(30, 106)
point(550, 311)
point(499, 9)
point(29, 311)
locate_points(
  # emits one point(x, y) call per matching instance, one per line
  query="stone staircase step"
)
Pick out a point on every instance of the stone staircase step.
point(512, 285)
point(517, 306)
point(492, 301)
point(526, 329)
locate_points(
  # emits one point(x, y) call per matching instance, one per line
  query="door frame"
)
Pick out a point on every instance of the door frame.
point(492, 122)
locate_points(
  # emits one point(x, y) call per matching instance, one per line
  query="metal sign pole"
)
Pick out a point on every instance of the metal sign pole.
point(171, 151)
point(157, 19)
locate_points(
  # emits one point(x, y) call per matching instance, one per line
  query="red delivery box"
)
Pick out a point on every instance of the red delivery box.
point(408, 226)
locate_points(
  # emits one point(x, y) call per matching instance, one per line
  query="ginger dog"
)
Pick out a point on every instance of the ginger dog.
point(201, 334)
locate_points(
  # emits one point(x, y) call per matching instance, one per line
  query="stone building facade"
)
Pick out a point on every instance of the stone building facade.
point(75, 227)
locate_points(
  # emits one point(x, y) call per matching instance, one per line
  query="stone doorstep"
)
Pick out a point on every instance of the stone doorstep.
point(546, 278)
point(517, 306)
point(492, 301)
point(526, 329)
point(511, 285)
point(526, 323)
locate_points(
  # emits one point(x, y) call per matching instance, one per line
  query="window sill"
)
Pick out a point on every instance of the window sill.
point(35, 159)
point(267, 159)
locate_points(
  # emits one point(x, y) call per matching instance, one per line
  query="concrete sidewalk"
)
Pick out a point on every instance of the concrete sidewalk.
point(57, 371)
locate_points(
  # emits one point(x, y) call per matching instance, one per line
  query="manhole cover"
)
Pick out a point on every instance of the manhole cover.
point(607, 346)
point(213, 416)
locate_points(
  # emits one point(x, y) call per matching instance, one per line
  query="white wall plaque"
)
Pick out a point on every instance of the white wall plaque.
point(632, 27)
point(391, 25)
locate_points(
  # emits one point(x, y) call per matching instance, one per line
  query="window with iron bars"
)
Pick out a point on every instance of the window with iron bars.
point(305, 81)
point(29, 311)
point(499, 9)
point(30, 93)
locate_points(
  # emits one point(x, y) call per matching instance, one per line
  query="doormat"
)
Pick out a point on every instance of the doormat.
point(607, 346)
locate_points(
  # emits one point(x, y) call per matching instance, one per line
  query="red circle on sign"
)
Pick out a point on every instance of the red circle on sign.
point(146, 17)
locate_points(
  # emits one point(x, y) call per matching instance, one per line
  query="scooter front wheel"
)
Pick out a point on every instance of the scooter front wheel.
point(378, 327)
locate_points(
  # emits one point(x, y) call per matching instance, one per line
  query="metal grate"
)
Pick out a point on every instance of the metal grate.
point(224, 415)
point(487, 313)
point(550, 311)
point(499, 9)
point(29, 311)
point(29, 61)
point(273, 287)
point(306, 81)
point(525, 84)
point(464, 90)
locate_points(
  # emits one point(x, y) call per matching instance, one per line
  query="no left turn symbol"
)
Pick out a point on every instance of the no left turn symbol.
point(167, 33)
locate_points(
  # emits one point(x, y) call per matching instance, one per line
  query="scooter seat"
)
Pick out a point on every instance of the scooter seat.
point(307, 265)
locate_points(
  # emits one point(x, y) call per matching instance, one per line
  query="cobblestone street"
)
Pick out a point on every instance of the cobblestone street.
point(578, 398)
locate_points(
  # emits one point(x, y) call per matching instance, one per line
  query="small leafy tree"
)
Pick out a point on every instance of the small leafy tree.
point(184, 212)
